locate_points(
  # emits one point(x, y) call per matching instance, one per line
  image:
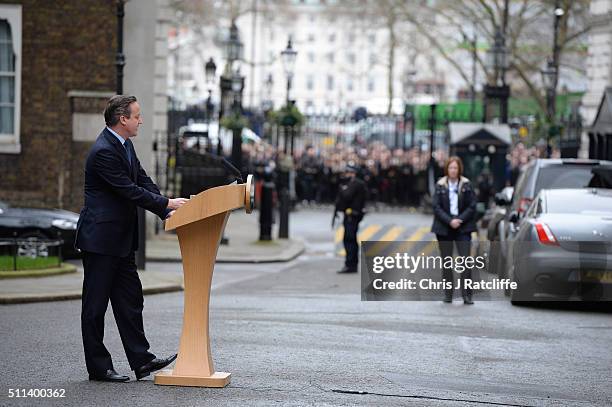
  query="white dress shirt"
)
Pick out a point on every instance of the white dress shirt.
point(453, 195)
point(121, 139)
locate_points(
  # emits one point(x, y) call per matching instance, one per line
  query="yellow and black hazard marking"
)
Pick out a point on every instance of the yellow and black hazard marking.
point(391, 239)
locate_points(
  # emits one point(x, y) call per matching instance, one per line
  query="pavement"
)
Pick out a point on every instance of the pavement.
point(68, 286)
point(298, 334)
point(242, 230)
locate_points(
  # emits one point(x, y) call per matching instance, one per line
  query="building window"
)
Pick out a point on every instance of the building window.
point(311, 38)
point(330, 82)
point(350, 58)
point(7, 79)
point(372, 39)
point(309, 107)
point(332, 37)
point(311, 57)
point(310, 82)
point(10, 77)
point(349, 85)
point(330, 57)
point(351, 38)
point(371, 85)
point(372, 59)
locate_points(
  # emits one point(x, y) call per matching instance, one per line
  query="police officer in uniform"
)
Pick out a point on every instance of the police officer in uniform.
point(351, 201)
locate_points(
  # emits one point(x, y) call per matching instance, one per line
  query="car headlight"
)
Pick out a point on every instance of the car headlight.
point(64, 224)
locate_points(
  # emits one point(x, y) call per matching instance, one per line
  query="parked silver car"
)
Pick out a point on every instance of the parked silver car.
point(537, 175)
point(563, 247)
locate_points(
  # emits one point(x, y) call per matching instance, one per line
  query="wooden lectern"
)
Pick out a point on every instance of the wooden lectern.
point(199, 225)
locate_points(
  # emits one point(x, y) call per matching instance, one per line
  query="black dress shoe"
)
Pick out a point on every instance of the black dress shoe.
point(109, 376)
point(447, 300)
point(468, 301)
point(153, 365)
point(346, 270)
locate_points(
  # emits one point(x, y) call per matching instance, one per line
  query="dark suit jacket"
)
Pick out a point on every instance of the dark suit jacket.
point(353, 195)
point(441, 207)
point(108, 223)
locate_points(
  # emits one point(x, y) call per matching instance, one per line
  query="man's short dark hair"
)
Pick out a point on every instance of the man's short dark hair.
point(117, 106)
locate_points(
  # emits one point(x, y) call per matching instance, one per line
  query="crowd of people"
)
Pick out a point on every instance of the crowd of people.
point(393, 176)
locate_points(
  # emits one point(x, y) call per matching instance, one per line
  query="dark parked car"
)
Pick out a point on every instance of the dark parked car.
point(563, 247)
point(537, 175)
point(30, 224)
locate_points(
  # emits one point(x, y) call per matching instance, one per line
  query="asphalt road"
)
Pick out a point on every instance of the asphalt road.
point(298, 334)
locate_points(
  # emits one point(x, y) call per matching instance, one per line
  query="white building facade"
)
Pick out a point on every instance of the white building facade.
point(599, 64)
point(341, 64)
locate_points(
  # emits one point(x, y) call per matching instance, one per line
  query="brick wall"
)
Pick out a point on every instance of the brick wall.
point(68, 45)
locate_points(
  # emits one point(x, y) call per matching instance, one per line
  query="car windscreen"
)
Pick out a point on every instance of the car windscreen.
point(580, 203)
point(563, 176)
point(195, 134)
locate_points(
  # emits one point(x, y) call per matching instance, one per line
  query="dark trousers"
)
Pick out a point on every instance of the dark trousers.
point(309, 191)
point(447, 244)
point(115, 279)
point(351, 225)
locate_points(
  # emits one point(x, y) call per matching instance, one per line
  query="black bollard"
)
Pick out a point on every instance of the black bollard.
point(266, 212)
point(283, 227)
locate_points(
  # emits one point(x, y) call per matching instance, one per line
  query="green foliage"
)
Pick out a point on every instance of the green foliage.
point(28, 263)
point(288, 116)
point(234, 121)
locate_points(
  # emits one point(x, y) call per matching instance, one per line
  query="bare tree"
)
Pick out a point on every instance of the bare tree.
point(210, 20)
point(528, 34)
point(375, 14)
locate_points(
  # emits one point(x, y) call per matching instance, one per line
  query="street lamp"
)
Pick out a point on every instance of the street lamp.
point(497, 57)
point(497, 60)
point(550, 76)
point(233, 46)
point(289, 55)
point(210, 68)
point(268, 85)
point(237, 82)
point(232, 84)
point(409, 107)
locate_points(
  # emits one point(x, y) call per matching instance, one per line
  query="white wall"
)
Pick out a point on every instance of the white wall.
point(146, 52)
point(599, 65)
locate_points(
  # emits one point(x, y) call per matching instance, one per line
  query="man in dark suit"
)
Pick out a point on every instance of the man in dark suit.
point(351, 201)
point(107, 235)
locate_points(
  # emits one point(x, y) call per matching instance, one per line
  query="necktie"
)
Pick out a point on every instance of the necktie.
point(128, 151)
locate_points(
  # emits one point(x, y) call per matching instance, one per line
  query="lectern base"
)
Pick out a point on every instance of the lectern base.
point(218, 379)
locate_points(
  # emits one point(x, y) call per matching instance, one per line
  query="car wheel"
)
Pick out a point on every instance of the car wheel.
point(29, 245)
point(522, 295)
point(494, 257)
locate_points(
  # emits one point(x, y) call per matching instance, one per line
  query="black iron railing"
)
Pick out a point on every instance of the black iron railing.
point(31, 253)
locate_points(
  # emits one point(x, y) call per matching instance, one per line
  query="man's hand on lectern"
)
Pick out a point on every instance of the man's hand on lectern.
point(170, 214)
point(176, 203)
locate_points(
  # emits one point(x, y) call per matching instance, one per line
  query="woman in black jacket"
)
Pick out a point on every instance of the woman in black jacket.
point(454, 206)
